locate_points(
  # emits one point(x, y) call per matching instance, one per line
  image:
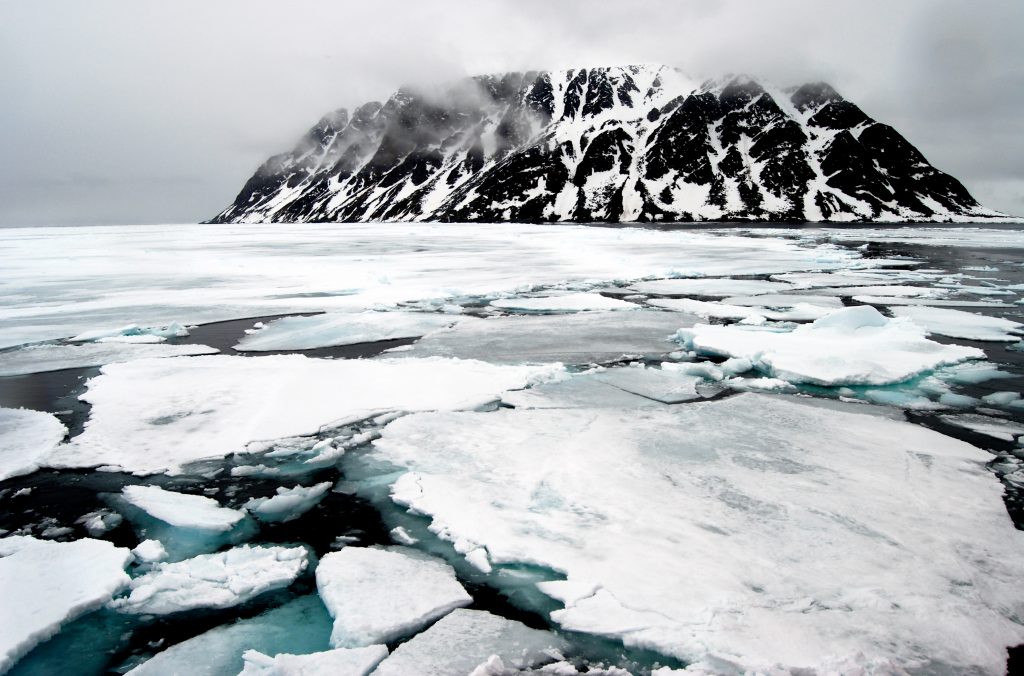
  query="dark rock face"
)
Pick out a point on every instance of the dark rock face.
point(629, 144)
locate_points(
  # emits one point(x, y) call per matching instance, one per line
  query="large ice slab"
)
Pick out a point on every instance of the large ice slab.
point(580, 391)
point(573, 302)
point(665, 386)
point(783, 300)
point(584, 338)
point(464, 639)
point(381, 595)
point(338, 662)
point(132, 333)
point(758, 531)
point(41, 358)
point(853, 346)
point(182, 509)
point(221, 649)
point(341, 328)
point(218, 580)
point(747, 313)
point(26, 437)
point(44, 584)
point(960, 324)
point(156, 415)
point(719, 287)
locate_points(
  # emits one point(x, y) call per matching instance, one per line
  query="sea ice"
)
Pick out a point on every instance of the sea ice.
point(341, 328)
point(132, 334)
point(288, 503)
point(775, 534)
point(338, 662)
point(221, 648)
point(381, 595)
point(149, 551)
point(960, 324)
point(779, 300)
point(853, 346)
point(707, 310)
point(894, 290)
point(582, 338)
point(720, 287)
point(26, 436)
point(928, 302)
point(997, 428)
point(218, 580)
point(573, 302)
point(41, 358)
point(156, 415)
point(809, 280)
point(464, 639)
point(44, 584)
point(580, 391)
point(182, 510)
point(665, 386)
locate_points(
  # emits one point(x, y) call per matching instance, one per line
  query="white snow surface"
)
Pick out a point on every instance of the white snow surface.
point(288, 503)
point(218, 580)
point(759, 532)
point(381, 595)
point(182, 510)
point(41, 358)
point(573, 302)
point(338, 662)
point(709, 287)
point(853, 346)
point(155, 415)
point(961, 324)
point(26, 437)
point(341, 328)
point(463, 640)
point(134, 274)
point(44, 584)
point(149, 551)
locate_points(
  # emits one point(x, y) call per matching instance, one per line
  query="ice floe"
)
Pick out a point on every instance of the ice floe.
point(853, 346)
point(338, 662)
point(665, 386)
point(745, 313)
point(222, 648)
point(341, 328)
point(288, 503)
point(41, 358)
point(45, 584)
point(960, 324)
point(182, 510)
point(132, 334)
point(26, 436)
point(779, 300)
point(997, 428)
point(464, 639)
point(573, 302)
point(149, 551)
point(381, 595)
point(719, 287)
point(583, 338)
point(156, 415)
point(775, 534)
point(580, 391)
point(218, 580)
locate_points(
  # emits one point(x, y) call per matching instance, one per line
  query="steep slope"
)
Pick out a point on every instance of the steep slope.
point(635, 143)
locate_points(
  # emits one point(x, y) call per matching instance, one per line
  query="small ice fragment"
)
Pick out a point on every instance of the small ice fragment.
point(150, 551)
point(288, 503)
point(402, 536)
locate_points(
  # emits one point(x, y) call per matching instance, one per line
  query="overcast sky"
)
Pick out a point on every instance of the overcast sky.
point(132, 111)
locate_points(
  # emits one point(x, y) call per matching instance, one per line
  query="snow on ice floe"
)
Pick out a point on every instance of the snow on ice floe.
point(573, 302)
point(338, 662)
point(583, 338)
point(778, 300)
point(756, 517)
point(382, 595)
point(853, 346)
point(665, 386)
point(149, 551)
point(745, 313)
point(341, 328)
point(1003, 430)
point(960, 324)
point(134, 274)
point(218, 580)
point(132, 334)
point(709, 287)
point(464, 639)
point(41, 358)
point(222, 648)
point(580, 391)
point(288, 503)
point(26, 437)
point(44, 584)
point(156, 415)
point(182, 510)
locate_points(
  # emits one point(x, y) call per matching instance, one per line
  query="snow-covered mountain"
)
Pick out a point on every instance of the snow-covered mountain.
point(633, 143)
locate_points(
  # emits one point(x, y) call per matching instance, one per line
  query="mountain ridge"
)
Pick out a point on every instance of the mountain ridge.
point(612, 144)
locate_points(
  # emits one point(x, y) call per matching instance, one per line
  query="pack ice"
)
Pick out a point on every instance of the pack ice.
point(41, 358)
point(26, 437)
point(757, 532)
point(341, 328)
point(44, 584)
point(853, 346)
point(960, 324)
point(156, 415)
point(381, 595)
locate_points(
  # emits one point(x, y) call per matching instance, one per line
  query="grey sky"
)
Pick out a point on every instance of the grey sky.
point(132, 111)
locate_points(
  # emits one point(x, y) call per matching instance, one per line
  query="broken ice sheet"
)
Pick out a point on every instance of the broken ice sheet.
point(736, 505)
point(41, 358)
point(746, 313)
point(338, 662)
point(574, 302)
point(960, 324)
point(156, 415)
point(997, 428)
point(716, 287)
point(582, 338)
point(26, 437)
point(341, 328)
